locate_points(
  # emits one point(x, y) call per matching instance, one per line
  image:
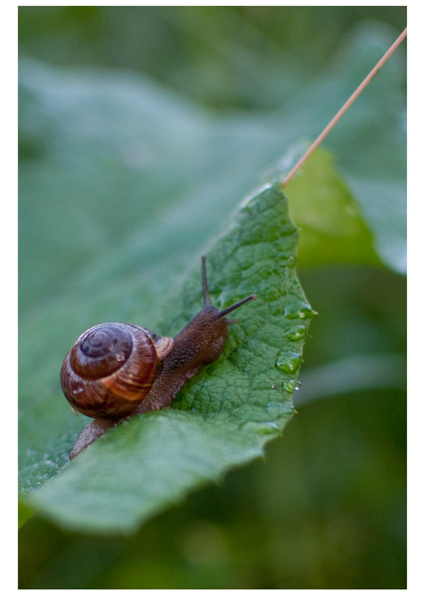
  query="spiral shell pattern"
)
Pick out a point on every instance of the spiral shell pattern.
point(111, 368)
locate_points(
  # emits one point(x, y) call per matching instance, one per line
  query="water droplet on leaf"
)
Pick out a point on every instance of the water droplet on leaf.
point(291, 262)
point(298, 310)
point(289, 385)
point(288, 361)
point(296, 333)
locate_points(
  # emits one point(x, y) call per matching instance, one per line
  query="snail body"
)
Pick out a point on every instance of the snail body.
point(117, 370)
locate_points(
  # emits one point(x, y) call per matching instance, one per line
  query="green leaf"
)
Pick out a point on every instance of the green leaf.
point(24, 513)
point(121, 183)
point(332, 227)
point(94, 142)
point(224, 416)
point(370, 141)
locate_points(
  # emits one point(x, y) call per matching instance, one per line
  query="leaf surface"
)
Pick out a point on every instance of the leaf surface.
point(222, 417)
point(333, 228)
point(121, 184)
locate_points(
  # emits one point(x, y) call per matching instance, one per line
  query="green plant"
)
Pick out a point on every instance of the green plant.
point(81, 149)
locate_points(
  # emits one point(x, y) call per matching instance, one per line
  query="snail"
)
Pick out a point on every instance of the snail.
point(117, 370)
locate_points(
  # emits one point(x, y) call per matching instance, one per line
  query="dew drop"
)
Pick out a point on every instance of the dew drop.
point(296, 333)
point(120, 357)
point(288, 361)
point(289, 385)
point(291, 262)
point(298, 310)
point(78, 390)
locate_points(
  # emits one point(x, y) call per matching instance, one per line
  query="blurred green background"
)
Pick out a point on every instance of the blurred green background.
point(327, 508)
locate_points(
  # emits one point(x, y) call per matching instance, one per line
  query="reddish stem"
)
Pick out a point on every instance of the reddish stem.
point(344, 108)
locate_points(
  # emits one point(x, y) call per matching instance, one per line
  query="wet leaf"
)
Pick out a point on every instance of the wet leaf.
point(225, 415)
point(121, 184)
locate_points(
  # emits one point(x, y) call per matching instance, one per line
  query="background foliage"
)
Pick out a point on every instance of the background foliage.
point(327, 507)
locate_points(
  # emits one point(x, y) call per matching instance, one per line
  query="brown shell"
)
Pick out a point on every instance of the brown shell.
point(111, 368)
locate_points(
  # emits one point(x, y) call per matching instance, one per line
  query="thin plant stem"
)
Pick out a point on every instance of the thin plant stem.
point(344, 108)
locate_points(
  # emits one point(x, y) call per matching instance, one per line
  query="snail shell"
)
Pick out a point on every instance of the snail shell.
point(111, 368)
point(115, 370)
